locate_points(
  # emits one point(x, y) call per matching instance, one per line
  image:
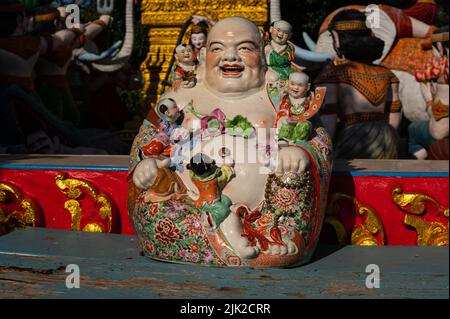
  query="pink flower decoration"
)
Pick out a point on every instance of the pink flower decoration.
point(179, 134)
point(286, 200)
point(216, 116)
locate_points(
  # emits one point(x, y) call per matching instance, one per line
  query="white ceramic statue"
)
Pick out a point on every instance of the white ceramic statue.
point(216, 199)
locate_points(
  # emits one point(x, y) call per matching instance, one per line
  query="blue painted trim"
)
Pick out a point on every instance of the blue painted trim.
point(63, 167)
point(124, 169)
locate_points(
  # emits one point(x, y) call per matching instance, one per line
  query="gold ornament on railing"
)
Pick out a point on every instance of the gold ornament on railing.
point(73, 189)
point(429, 233)
point(17, 218)
point(365, 234)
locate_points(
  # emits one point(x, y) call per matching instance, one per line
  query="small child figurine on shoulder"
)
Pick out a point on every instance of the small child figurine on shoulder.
point(280, 52)
point(183, 72)
point(297, 107)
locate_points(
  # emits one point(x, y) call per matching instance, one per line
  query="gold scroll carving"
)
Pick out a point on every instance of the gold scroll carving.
point(26, 216)
point(73, 189)
point(369, 233)
point(429, 233)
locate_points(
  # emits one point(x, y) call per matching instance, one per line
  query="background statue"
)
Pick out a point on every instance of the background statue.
point(406, 34)
point(363, 96)
point(24, 119)
point(52, 83)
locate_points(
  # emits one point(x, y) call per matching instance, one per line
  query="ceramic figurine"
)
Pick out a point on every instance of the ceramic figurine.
point(280, 52)
point(209, 180)
point(363, 96)
point(296, 107)
point(199, 33)
point(221, 203)
point(170, 117)
point(183, 72)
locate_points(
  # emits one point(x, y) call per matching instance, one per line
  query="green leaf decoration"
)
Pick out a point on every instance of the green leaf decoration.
point(286, 132)
point(295, 132)
point(302, 131)
point(240, 126)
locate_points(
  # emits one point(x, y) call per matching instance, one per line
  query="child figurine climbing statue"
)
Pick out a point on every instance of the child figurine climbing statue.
point(170, 118)
point(280, 52)
point(296, 107)
point(183, 72)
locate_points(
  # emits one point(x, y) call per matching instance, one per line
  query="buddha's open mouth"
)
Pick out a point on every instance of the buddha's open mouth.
point(232, 70)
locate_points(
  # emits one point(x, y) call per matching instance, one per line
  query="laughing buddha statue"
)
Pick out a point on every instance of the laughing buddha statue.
point(211, 183)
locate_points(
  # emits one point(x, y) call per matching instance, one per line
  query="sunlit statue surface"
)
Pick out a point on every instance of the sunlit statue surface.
point(228, 194)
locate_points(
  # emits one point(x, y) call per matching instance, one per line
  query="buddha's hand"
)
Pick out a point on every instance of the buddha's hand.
point(292, 159)
point(146, 172)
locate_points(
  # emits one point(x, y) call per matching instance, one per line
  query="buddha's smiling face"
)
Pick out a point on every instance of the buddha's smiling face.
point(233, 57)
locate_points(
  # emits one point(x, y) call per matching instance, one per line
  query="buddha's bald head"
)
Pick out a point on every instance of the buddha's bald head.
point(234, 59)
point(231, 24)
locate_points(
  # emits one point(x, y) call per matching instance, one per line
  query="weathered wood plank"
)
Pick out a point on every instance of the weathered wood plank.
point(62, 243)
point(33, 263)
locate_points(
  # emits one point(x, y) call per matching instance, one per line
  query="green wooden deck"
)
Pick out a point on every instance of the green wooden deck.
point(33, 264)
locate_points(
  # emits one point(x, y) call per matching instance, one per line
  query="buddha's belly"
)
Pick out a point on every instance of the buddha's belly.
point(248, 185)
